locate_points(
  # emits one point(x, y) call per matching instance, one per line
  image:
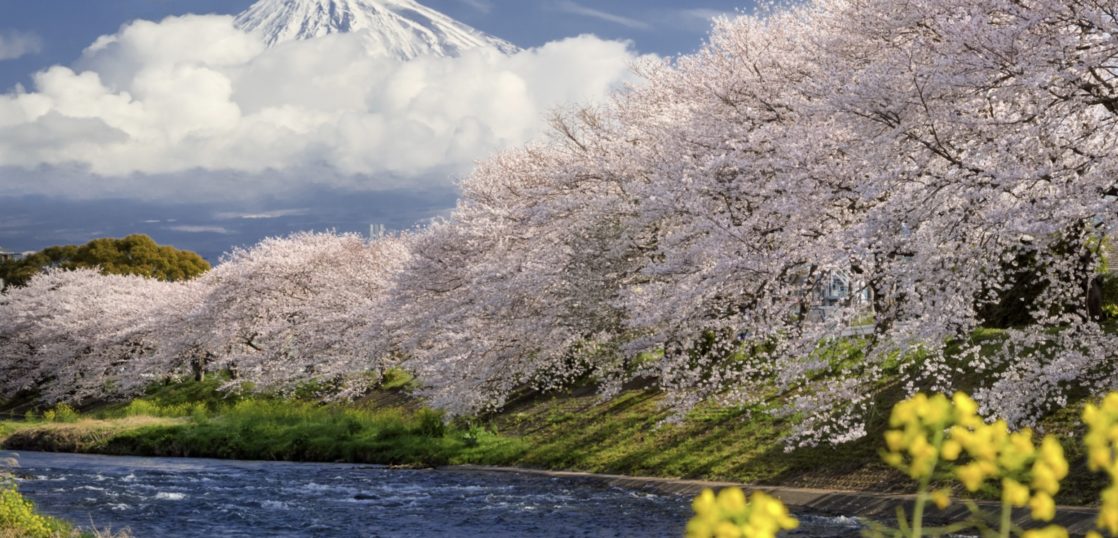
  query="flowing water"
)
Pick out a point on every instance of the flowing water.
point(164, 497)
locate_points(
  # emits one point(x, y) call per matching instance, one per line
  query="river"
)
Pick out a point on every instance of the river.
point(173, 497)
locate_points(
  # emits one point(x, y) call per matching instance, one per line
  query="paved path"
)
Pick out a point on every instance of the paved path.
point(882, 507)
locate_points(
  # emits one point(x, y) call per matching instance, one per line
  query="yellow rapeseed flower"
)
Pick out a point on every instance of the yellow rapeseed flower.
point(1043, 507)
point(941, 498)
point(699, 527)
point(895, 440)
point(904, 412)
point(1110, 404)
point(1098, 457)
point(1014, 493)
point(1045, 479)
point(727, 529)
point(1052, 454)
point(971, 476)
point(1051, 531)
point(705, 505)
point(731, 501)
point(1108, 512)
point(951, 450)
point(731, 515)
point(964, 405)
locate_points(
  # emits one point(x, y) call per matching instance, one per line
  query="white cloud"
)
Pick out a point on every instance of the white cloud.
point(15, 44)
point(264, 215)
point(704, 13)
point(484, 6)
point(575, 8)
point(200, 229)
point(156, 107)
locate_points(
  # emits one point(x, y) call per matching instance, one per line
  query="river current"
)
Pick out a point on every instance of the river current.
point(165, 497)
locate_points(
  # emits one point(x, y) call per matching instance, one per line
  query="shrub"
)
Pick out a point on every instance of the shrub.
point(397, 379)
point(141, 407)
point(17, 516)
point(61, 413)
point(1110, 295)
point(431, 423)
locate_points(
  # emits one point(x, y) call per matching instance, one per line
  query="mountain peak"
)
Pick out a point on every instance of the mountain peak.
point(403, 29)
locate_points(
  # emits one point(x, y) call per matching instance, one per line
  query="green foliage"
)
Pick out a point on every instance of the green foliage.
point(149, 408)
point(647, 357)
point(208, 392)
point(311, 390)
point(431, 423)
point(18, 518)
point(61, 413)
point(195, 399)
point(132, 255)
point(472, 436)
point(293, 430)
point(1110, 295)
point(398, 379)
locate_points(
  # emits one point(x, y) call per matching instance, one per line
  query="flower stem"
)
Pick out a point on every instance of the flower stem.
point(1006, 521)
point(922, 493)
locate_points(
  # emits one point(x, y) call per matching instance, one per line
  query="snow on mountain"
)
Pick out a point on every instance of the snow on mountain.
point(402, 29)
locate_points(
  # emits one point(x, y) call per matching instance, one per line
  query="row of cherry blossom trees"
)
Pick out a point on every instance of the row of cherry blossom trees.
point(941, 154)
point(283, 313)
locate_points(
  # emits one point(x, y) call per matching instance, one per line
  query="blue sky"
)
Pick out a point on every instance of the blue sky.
point(244, 203)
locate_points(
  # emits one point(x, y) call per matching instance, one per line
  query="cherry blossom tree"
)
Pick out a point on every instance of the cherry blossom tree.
point(291, 310)
point(511, 292)
point(78, 335)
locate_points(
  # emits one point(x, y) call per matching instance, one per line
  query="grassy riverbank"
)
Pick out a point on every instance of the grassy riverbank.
point(386, 429)
point(19, 518)
point(629, 434)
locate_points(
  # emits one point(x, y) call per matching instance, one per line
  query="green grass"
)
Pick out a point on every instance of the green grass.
point(633, 434)
point(389, 427)
point(277, 429)
point(178, 399)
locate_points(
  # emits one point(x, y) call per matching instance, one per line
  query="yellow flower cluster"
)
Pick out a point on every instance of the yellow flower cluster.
point(1051, 531)
point(1101, 441)
point(915, 442)
point(927, 429)
point(730, 515)
point(17, 515)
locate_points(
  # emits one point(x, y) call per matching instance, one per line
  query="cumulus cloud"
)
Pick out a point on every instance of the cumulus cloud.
point(188, 98)
point(15, 44)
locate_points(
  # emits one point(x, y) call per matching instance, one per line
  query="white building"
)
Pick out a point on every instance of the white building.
point(839, 288)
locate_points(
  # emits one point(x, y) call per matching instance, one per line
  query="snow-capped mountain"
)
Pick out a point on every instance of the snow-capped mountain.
point(401, 29)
